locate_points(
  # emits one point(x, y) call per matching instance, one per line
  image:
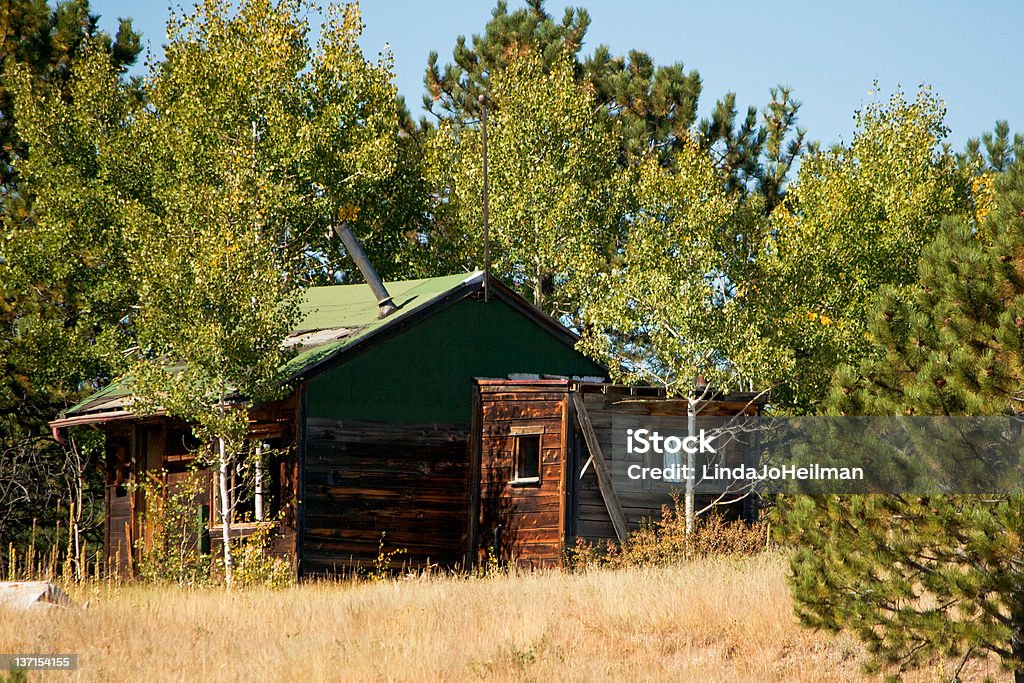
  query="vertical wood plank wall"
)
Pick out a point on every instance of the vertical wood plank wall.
point(532, 516)
point(118, 500)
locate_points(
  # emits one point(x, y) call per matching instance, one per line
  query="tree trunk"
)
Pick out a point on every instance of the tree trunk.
point(258, 513)
point(538, 287)
point(225, 511)
point(77, 492)
point(691, 428)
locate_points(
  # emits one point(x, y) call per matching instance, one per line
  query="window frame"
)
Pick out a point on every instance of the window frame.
point(273, 492)
point(518, 435)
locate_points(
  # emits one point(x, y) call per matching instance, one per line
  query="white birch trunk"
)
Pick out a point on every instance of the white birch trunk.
point(225, 511)
point(691, 428)
point(258, 498)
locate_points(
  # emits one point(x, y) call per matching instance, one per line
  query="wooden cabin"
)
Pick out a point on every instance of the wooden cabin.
point(373, 435)
point(551, 465)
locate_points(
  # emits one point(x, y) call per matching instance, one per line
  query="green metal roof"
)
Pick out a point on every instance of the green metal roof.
point(355, 305)
point(352, 309)
point(108, 397)
point(348, 310)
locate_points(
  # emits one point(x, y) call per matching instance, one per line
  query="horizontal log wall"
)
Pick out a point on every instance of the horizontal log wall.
point(532, 516)
point(366, 481)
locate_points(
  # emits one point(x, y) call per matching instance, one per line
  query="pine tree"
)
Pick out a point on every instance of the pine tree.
point(994, 151)
point(916, 577)
point(653, 106)
point(454, 91)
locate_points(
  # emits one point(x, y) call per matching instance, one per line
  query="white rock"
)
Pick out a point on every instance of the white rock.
point(32, 595)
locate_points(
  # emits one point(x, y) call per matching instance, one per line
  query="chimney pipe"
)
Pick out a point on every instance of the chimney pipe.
point(385, 306)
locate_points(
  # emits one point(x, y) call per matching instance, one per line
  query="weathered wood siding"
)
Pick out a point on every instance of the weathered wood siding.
point(531, 516)
point(613, 411)
point(386, 445)
point(118, 501)
point(140, 449)
point(118, 521)
point(539, 522)
point(368, 483)
point(276, 423)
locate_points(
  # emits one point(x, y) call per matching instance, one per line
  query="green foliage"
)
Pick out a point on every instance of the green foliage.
point(653, 108)
point(550, 169)
point(919, 577)
point(47, 41)
point(770, 284)
point(680, 243)
point(195, 219)
point(395, 222)
point(783, 143)
point(169, 548)
point(58, 281)
point(255, 566)
point(913, 578)
point(454, 91)
point(59, 284)
point(255, 143)
point(756, 153)
point(254, 153)
point(66, 264)
point(994, 152)
point(569, 138)
point(953, 342)
point(856, 220)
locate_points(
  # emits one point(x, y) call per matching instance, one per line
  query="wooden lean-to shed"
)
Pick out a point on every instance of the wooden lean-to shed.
point(375, 428)
point(550, 464)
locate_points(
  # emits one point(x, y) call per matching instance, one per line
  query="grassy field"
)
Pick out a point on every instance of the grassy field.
point(714, 620)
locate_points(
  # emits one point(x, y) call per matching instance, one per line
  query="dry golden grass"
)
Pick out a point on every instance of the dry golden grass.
point(711, 620)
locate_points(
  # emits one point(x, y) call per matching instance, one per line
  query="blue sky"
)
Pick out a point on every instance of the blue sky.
point(829, 52)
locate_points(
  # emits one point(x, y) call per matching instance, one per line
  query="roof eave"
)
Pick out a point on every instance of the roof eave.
point(89, 419)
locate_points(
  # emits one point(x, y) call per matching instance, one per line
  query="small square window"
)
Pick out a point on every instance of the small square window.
point(526, 459)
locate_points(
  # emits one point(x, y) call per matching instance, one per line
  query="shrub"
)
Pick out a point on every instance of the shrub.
point(254, 565)
point(173, 527)
point(383, 564)
point(666, 541)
